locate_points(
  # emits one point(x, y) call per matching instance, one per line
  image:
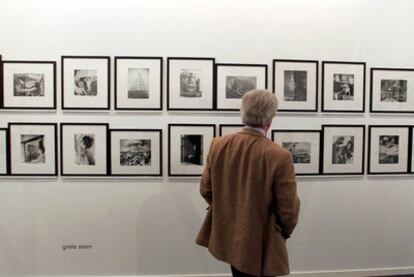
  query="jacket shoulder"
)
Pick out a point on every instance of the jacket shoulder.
point(224, 138)
point(216, 141)
point(276, 150)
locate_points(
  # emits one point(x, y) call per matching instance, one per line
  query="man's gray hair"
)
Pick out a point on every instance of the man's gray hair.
point(258, 108)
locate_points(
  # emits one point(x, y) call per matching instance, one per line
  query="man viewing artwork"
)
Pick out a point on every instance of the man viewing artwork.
point(250, 186)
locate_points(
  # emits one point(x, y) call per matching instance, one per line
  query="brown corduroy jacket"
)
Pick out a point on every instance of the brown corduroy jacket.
point(250, 186)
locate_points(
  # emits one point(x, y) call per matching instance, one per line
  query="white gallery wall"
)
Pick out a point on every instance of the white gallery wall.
point(147, 226)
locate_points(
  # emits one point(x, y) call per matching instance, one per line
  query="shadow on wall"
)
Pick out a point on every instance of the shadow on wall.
point(167, 226)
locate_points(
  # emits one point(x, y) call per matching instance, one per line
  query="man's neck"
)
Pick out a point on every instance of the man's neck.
point(259, 129)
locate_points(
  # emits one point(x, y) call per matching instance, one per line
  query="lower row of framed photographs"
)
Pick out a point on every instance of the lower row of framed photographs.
point(93, 149)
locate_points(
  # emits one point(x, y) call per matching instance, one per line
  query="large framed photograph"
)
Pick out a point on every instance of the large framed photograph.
point(234, 80)
point(84, 149)
point(190, 84)
point(188, 147)
point(33, 148)
point(392, 90)
point(295, 83)
point(29, 85)
point(3, 152)
point(388, 149)
point(138, 83)
point(305, 146)
point(343, 87)
point(136, 152)
point(227, 129)
point(85, 82)
point(343, 149)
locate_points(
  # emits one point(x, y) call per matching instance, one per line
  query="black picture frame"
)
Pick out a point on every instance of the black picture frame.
point(172, 125)
point(160, 156)
point(55, 154)
point(326, 110)
point(1, 81)
point(411, 150)
point(319, 152)
point(314, 108)
point(6, 152)
point(106, 148)
point(107, 105)
point(392, 110)
point(361, 170)
point(213, 81)
point(409, 138)
point(241, 65)
point(116, 97)
point(221, 126)
point(53, 99)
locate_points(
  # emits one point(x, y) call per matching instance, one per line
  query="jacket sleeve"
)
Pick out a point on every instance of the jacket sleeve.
point(205, 183)
point(286, 198)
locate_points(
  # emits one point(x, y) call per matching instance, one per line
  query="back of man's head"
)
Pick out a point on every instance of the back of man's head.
point(258, 108)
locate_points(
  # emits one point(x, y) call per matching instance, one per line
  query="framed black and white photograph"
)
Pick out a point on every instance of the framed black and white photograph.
point(29, 85)
point(388, 149)
point(136, 152)
point(295, 83)
point(343, 87)
point(84, 149)
point(392, 90)
point(188, 147)
point(305, 146)
point(85, 82)
point(138, 83)
point(234, 80)
point(227, 129)
point(33, 148)
point(190, 84)
point(3, 152)
point(412, 149)
point(343, 149)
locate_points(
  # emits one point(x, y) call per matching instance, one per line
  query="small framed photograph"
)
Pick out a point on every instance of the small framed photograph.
point(85, 82)
point(305, 146)
point(343, 87)
point(412, 149)
point(227, 129)
point(84, 149)
point(343, 149)
point(33, 148)
point(188, 147)
point(391, 89)
point(136, 152)
point(3, 152)
point(388, 149)
point(234, 80)
point(138, 83)
point(29, 85)
point(295, 83)
point(190, 84)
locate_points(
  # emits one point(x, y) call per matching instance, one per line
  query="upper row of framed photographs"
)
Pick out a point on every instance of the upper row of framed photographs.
point(197, 84)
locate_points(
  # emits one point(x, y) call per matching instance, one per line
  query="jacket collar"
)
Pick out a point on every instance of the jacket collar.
point(251, 131)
